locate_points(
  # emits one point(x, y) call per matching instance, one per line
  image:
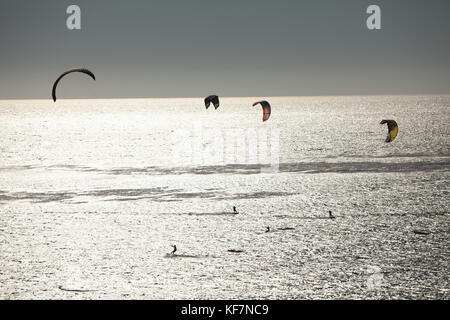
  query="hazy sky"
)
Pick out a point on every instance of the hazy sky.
point(144, 48)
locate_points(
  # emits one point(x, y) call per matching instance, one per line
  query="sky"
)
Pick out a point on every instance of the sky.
point(145, 49)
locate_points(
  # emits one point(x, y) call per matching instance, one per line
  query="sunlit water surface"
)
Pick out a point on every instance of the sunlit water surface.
point(93, 193)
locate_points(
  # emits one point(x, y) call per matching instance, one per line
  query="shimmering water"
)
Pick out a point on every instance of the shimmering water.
point(93, 193)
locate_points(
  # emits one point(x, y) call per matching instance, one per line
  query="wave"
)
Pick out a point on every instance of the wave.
point(155, 194)
point(292, 167)
point(169, 255)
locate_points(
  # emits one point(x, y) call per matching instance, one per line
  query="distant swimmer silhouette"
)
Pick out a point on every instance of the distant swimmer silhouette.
point(331, 215)
point(268, 229)
point(234, 210)
point(174, 249)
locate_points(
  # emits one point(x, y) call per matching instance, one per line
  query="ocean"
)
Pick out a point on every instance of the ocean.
point(94, 193)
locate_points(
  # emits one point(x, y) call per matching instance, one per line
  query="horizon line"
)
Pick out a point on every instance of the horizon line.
point(249, 96)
